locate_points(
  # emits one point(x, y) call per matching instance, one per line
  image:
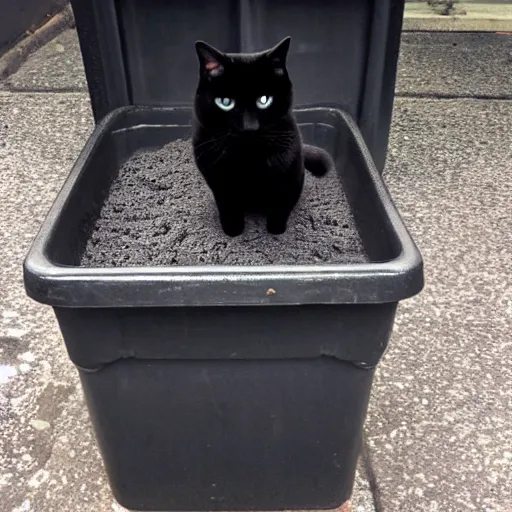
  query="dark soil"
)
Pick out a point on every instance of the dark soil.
point(160, 212)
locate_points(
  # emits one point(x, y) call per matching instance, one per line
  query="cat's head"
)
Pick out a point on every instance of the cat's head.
point(242, 93)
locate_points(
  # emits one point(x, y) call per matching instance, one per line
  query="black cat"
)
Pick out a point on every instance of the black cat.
point(246, 142)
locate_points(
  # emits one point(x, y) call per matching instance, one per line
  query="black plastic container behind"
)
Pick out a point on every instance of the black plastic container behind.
point(344, 52)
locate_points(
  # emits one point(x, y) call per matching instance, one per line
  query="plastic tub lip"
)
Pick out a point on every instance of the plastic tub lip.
point(222, 285)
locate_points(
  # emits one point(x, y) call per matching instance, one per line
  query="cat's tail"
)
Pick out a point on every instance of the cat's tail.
point(316, 160)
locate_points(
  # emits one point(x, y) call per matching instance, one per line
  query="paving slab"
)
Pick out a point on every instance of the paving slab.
point(455, 64)
point(57, 66)
point(48, 456)
point(440, 423)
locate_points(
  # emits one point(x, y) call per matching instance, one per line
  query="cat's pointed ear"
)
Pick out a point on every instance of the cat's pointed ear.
point(211, 60)
point(279, 53)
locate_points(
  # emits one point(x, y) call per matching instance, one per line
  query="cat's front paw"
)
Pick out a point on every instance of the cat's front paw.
point(276, 227)
point(233, 227)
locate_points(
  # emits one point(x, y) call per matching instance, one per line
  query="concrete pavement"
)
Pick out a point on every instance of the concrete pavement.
point(439, 427)
point(56, 66)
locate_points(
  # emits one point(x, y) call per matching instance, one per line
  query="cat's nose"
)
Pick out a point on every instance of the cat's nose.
point(250, 123)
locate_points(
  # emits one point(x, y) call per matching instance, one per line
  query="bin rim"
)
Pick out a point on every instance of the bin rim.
point(58, 285)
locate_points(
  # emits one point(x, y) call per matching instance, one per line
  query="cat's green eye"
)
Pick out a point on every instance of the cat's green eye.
point(225, 104)
point(264, 102)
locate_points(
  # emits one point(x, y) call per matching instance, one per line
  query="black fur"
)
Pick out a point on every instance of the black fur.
point(253, 159)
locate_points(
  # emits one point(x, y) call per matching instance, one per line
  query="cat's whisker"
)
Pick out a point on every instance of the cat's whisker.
point(209, 152)
point(222, 153)
point(219, 146)
point(211, 141)
point(212, 146)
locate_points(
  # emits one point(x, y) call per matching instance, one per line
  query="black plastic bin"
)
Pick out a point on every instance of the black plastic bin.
point(141, 52)
point(207, 391)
